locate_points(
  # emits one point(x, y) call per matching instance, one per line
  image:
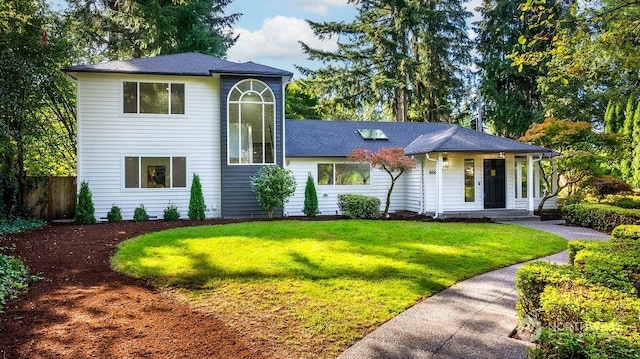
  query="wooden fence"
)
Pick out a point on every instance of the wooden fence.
point(52, 198)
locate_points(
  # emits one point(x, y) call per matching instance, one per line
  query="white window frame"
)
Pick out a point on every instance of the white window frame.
point(137, 113)
point(264, 122)
point(333, 174)
point(170, 171)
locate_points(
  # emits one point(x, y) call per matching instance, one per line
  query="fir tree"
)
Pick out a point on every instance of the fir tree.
point(627, 133)
point(85, 212)
point(610, 123)
point(406, 58)
point(310, 198)
point(197, 207)
point(635, 145)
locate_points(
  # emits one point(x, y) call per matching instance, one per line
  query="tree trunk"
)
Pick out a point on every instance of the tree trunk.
point(386, 206)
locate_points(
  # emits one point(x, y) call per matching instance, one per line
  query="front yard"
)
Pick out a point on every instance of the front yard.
point(316, 287)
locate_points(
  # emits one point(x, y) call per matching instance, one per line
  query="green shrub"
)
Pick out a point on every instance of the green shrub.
point(566, 344)
point(601, 217)
point(13, 278)
point(310, 208)
point(171, 213)
point(85, 212)
point(140, 214)
point(611, 264)
point(626, 232)
point(197, 207)
point(273, 185)
point(17, 225)
point(573, 199)
point(573, 247)
point(531, 280)
point(359, 206)
point(114, 214)
point(630, 202)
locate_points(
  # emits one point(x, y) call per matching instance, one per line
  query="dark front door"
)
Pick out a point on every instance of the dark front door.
point(494, 183)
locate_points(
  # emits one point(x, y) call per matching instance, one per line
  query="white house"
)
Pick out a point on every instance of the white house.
point(145, 126)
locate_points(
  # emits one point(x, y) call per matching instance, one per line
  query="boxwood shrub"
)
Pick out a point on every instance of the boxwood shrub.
point(533, 278)
point(626, 232)
point(601, 217)
point(359, 206)
point(590, 309)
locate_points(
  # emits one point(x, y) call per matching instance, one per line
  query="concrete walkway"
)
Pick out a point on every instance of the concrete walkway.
point(472, 319)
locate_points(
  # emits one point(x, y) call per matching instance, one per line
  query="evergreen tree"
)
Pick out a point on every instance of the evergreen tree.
point(197, 207)
point(405, 58)
point(310, 198)
point(610, 123)
point(122, 29)
point(512, 102)
point(85, 211)
point(635, 145)
point(627, 133)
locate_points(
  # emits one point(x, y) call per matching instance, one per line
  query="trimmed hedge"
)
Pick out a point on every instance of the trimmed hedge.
point(630, 202)
point(601, 217)
point(627, 232)
point(359, 206)
point(533, 278)
point(590, 309)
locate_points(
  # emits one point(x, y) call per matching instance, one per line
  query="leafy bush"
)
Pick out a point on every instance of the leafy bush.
point(310, 208)
point(273, 185)
point(85, 212)
point(630, 202)
point(532, 279)
point(197, 207)
point(573, 199)
point(602, 217)
point(171, 213)
point(13, 278)
point(605, 185)
point(359, 206)
point(589, 310)
point(566, 344)
point(626, 232)
point(17, 225)
point(114, 214)
point(140, 214)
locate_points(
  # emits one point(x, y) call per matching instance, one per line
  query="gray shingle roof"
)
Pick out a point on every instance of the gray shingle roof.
point(189, 63)
point(313, 138)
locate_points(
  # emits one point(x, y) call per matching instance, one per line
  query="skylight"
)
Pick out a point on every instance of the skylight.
point(372, 134)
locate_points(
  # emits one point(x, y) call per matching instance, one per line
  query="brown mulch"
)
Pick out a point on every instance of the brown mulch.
point(83, 309)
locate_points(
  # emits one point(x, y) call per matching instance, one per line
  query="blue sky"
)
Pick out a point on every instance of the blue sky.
point(270, 29)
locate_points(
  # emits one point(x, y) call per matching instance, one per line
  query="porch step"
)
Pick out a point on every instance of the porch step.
point(497, 215)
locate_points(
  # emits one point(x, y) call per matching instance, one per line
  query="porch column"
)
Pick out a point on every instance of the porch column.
point(439, 169)
point(530, 183)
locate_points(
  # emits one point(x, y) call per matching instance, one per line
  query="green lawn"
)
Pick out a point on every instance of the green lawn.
point(319, 286)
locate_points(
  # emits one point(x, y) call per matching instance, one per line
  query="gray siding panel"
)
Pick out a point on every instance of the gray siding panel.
point(238, 201)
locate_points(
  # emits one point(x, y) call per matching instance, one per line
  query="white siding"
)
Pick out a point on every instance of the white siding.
point(328, 195)
point(453, 184)
point(106, 136)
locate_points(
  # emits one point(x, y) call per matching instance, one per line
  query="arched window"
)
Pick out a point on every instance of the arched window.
point(251, 123)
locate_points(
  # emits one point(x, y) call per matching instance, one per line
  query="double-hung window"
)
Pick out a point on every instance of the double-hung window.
point(153, 98)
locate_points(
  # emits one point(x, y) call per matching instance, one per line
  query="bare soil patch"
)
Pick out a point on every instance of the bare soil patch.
point(82, 308)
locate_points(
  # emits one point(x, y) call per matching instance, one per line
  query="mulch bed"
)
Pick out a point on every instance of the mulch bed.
point(82, 309)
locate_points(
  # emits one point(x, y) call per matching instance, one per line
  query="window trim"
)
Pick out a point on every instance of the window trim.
point(170, 171)
point(264, 121)
point(333, 172)
point(473, 180)
point(138, 114)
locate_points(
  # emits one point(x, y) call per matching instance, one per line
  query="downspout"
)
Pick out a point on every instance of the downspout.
point(422, 188)
point(438, 161)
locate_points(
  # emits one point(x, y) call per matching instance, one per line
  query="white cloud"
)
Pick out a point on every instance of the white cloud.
point(320, 7)
point(277, 39)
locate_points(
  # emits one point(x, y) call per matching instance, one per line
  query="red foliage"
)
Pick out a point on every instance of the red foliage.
point(388, 159)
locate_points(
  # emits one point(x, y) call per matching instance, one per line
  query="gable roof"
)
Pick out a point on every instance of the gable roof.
point(315, 138)
point(188, 63)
